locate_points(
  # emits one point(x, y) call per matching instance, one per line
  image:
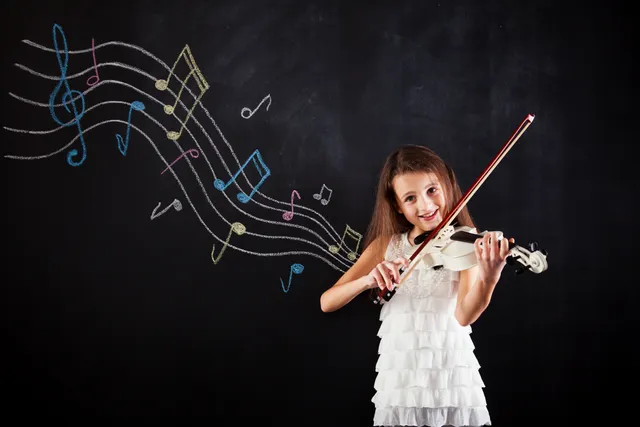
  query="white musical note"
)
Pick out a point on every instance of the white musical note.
point(317, 196)
point(176, 204)
point(245, 109)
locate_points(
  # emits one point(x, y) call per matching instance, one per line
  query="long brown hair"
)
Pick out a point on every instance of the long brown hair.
point(386, 221)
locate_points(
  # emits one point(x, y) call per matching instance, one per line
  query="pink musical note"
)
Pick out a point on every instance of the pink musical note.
point(288, 215)
point(192, 152)
point(90, 80)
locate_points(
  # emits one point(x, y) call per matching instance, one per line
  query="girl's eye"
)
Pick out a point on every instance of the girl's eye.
point(409, 199)
point(432, 190)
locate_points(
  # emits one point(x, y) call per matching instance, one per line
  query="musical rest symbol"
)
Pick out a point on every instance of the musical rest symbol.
point(123, 146)
point(220, 185)
point(354, 235)
point(175, 204)
point(288, 215)
point(192, 152)
point(67, 96)
point(295, 268)
point(317, 196)
point(200, 81)
point(251, 113)
point(237, 228)
point(90, 80)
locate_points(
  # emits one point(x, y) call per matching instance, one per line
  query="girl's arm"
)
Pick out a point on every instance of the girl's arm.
point(478, 282)
point(474, 296)
point(352, 283)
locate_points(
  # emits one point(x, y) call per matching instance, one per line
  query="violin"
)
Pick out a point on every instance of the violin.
point(451, 247)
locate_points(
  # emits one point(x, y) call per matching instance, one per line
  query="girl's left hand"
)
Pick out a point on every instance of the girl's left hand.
point(492, 256)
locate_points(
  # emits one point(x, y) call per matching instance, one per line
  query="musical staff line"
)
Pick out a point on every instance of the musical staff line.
point(195, 121)
point(204, 109)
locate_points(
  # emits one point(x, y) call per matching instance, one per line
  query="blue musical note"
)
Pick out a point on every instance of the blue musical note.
point(68, 94)
point(220, 185)
point(295, 268)
point(122, 146)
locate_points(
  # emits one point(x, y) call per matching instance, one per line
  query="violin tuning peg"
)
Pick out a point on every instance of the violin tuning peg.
point(510, 260)
point(544, 252)
point(533, 246)
point(519, 271)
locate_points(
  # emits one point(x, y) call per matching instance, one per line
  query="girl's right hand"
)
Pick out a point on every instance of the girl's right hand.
point(386, 274)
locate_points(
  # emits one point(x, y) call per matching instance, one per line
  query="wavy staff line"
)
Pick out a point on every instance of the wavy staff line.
point(200, 104)
point(191, 166)
point(137, 70)
point(126, 66)
point(340, 258)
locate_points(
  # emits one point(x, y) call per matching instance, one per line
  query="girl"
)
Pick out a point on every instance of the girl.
point(427, 373)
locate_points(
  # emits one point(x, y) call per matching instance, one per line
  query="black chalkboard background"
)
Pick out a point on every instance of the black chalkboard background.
point(109, 314)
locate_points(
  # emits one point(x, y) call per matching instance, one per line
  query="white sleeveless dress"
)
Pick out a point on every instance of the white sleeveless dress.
point(427, 372)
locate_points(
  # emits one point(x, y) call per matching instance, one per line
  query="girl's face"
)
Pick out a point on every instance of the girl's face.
point(421, 200)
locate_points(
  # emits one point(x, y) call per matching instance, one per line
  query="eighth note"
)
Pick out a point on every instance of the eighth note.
point(288, 215)
point(176, 204)
point(220, 185)
point(237, 228)
point(200, 81)
point(317, 196)
point(354, 235)
point(192, 152)
point(90, 80)
point(123, 146)
point(295, 268)
point(251, 113)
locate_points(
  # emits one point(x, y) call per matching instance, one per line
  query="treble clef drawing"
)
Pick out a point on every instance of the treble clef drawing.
point(67, 96)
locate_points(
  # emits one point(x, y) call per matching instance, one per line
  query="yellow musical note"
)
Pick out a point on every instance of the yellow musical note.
point(200, 80)
point(354, 235)
point(237, 228)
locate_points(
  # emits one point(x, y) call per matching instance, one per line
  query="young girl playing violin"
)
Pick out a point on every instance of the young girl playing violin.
point(427, 373)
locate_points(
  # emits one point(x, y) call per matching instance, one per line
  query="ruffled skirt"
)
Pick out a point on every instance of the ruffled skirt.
point(427, 372)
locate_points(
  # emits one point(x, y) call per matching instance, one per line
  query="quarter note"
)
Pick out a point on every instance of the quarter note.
point(69, 96)
point(220, 185)
point(192, 152)
point(123, 146)
point(90, 80)
point(354, 235)
point(200, 81)
point(318, 196)
point(288, 215)
point(237, 228)
point(295, 268)
point(251, 113)
point(175, 204)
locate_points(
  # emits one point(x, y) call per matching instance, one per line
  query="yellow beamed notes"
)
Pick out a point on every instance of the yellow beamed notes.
point(200, 81)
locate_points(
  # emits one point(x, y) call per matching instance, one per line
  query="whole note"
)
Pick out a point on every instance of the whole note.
point(251, 113)
point(288, 215)
point(68, 97)
point(123, 146)
point(295, 268)
point(95, 78)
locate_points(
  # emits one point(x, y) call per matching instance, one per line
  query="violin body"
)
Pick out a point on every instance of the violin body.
point(454, 250)
point(451, 254)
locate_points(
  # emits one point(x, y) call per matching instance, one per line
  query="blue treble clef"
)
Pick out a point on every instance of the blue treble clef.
point(67, 97)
